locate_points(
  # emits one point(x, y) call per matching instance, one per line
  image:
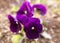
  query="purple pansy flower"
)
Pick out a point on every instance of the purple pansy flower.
point(14, 25)
point(25, 9)
point(41, 8)
point(33, 28)
point(22, 18)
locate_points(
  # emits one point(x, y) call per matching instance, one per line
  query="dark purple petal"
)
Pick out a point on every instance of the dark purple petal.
point(34, 20)
point(22, 18)
point(40, 8)
point(14, 25)
point(25, 7)
point(33, 33)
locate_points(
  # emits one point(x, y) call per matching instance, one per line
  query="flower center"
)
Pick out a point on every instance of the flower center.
point(35, 9)
point(16, 22)
point(32, 28)
point(25, 12)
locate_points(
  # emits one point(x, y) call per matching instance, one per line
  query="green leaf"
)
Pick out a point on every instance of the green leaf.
point(16, 38)
point(14, 8)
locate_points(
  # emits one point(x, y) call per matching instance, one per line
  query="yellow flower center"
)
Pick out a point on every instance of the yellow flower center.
point(32, 28)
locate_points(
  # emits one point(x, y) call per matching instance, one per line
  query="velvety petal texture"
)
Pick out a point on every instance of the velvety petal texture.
point(14, 25)
point(33, 28)
point(22, 19)
point(41, 8)
point(25, 9)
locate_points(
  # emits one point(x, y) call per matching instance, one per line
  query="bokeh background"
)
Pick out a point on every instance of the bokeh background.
point(52, 18)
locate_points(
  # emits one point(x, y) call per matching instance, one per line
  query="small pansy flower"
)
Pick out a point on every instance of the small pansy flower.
point(33, 28)
point(25, 9)
point(41, 8)
point(14, 25)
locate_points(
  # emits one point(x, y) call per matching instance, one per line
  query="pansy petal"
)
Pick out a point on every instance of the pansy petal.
point(25, 8)
point(41, 8)
point(14, 25)
point(34, 20)
point(39, 26)
point(32, 35)
point(22, 18)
